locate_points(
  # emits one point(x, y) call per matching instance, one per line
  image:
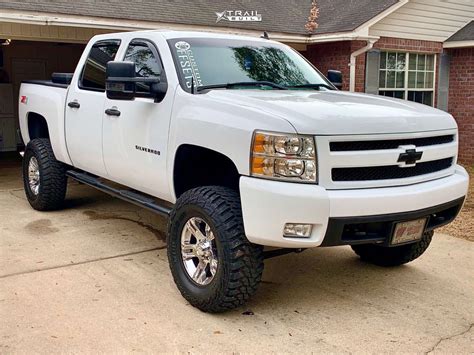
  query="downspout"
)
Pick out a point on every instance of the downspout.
point(352, 63)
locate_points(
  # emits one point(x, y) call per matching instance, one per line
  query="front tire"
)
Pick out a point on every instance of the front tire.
point(393, 256)
point(44, 177)
point(213, 264)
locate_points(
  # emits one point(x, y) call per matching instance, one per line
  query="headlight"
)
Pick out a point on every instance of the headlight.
point(287, 157)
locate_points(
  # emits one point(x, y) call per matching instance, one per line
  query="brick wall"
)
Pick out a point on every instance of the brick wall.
point(333, 55)
point(461, 99)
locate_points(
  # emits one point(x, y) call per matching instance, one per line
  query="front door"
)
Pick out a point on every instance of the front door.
point(135, 142)
point(85, 110)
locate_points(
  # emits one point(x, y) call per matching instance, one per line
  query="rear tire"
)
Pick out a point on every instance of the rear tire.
point(238, 264)
point(393, 256)
point(44, 177)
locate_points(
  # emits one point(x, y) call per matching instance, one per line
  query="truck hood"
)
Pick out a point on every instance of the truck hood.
point(338, 112)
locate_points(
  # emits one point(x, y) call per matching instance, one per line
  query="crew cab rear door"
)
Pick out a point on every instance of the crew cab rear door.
point(85, 108)
point(135, 135)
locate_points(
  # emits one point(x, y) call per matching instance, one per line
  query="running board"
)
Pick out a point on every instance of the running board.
point(136, 198)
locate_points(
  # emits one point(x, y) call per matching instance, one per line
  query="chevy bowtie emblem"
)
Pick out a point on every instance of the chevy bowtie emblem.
point(410, 157)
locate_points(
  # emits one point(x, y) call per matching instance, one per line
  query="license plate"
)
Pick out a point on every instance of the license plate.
point(408, 231)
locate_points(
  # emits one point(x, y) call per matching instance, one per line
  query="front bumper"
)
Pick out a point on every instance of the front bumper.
point(268, 205)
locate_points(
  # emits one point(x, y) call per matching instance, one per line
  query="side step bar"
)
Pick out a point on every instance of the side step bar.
point(130, 196)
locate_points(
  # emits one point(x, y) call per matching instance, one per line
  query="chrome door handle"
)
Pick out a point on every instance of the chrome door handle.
point(112, 112)
point(74, 104)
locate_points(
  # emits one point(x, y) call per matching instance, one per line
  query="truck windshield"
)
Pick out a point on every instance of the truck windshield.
point(232, 64)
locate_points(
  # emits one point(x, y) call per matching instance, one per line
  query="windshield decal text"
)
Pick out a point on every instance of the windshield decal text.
point(188, 64)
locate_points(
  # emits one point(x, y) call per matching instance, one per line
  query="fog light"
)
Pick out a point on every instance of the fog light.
point(294, 230)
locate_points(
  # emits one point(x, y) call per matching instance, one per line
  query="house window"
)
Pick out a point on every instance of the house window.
point(409, 76)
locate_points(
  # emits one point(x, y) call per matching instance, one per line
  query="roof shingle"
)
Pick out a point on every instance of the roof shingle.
point(464, 34)
point(286, 16)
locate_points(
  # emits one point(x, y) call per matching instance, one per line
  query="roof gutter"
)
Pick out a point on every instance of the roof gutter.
point(352, 63)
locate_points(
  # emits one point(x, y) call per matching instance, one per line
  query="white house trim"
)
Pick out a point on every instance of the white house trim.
point(458, 44)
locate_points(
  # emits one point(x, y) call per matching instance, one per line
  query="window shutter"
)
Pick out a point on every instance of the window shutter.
point(443, 81)
point(372, 71)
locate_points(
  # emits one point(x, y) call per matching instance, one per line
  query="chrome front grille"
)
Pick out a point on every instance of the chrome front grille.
point(364, 161)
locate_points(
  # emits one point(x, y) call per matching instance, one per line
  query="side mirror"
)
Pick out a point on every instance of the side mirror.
point(120, 83)
point(158, 90)
point(123, 84)
point(335, 77)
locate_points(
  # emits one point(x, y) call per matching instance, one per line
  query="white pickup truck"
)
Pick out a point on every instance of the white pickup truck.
point(248, 149)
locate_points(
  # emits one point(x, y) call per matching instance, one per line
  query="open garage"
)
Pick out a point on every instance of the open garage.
point(30, 52)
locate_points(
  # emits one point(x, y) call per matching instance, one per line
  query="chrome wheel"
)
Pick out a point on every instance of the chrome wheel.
point(34, 175)
point(198, 250)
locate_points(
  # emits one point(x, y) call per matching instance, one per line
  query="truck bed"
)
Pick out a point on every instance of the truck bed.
point(45, 83)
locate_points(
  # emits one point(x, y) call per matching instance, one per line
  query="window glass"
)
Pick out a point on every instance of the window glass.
point(401, 60)
point(394, 76)
point(93, 74)
point(213, 61)
point(412, 79)
point(430, 62)
point(412, 65)
point(146, 63)
point(420, 80)
point(429, 80)
point(407, 75)
point(392, 61)
point(400, 79)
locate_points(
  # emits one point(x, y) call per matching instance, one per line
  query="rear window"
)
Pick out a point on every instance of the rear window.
point(93, 74)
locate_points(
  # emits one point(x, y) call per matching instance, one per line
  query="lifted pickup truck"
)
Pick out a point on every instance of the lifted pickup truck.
point(244, 145)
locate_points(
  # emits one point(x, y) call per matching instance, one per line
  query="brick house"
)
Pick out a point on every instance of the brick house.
point(418, 50)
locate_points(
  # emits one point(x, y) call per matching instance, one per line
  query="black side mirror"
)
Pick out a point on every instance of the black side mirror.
point(335, 77)
point(158, 90)
point(120, 83)
point(123, 84)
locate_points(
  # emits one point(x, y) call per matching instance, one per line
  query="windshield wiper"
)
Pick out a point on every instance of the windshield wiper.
point(311, 86)
point(242, 83)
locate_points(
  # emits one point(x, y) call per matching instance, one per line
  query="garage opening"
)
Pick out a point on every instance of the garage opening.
point(27, 60)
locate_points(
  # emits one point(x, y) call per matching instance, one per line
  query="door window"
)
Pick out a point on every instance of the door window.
point(93, 74)
point(147, 63)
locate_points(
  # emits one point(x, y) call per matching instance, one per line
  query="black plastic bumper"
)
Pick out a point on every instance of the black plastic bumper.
point(379, 229)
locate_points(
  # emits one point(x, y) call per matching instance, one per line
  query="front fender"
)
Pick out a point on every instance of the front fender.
point(224, 127)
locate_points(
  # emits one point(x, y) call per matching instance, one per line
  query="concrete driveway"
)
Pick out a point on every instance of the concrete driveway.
point(94, 278)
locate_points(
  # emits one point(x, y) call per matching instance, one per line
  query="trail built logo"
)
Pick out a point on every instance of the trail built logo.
point(239, 16)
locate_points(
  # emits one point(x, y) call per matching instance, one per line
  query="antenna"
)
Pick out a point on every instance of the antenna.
point(265, 35)
point(193, 90)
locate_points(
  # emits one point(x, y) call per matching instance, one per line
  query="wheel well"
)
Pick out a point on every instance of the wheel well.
point(196, 166)
point(37, 126)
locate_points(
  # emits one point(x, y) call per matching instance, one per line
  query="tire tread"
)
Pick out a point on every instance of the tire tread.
point(393, 256)
point(53, 179)
point(246, 259)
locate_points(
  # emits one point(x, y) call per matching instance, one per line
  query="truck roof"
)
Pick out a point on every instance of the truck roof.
point(170, 34)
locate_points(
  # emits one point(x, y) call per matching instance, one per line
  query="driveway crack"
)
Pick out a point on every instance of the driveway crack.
point(433, 348)
point(80, 262)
